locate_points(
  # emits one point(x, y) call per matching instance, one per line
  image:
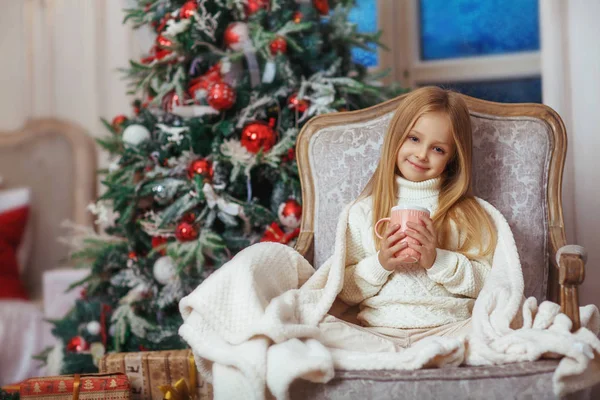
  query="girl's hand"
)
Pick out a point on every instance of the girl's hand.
point(427, 238)
point(390, 246)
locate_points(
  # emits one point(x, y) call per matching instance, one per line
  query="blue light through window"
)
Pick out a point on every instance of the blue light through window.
point(524, 90)
point(364, 14)
point(464, 28)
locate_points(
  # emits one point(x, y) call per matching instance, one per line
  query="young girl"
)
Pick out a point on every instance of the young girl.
point(425, 161)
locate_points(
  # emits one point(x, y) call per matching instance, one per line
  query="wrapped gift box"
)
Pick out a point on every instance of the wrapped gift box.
point(148, 371)
point(80, 387)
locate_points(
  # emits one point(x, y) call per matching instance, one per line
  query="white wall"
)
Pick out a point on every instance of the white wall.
point(60, 59)
point(584, 65)
point(571, 85)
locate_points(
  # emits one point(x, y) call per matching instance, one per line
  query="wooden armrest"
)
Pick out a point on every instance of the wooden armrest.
point(304, 245)
point(571, 273)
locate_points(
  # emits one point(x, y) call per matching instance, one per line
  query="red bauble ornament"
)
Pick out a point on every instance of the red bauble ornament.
point(221, 96)
point(290, 214)
point(257, 136)
point(156, 53)
point(117, 122)
point(297, 18)
point(278, 45)
point(253, 6)
point(189, 217)
point(290, 156)
point(188, 9)
point(274, 233)
point(77, 344)
point(296, 104)
point(132, 255)
point(236, 35)
point(322, 6)
point(159, 241)
point(163, 23)
point(163, 41)
point(213, 75)
point(201, 167)
point(186, 232)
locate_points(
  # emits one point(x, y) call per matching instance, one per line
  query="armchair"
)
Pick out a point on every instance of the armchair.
point(518, 155)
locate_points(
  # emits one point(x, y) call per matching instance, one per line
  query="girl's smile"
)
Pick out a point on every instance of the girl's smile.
point(417, 167)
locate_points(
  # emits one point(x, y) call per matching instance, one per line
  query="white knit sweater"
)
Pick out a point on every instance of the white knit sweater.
point(412, 297)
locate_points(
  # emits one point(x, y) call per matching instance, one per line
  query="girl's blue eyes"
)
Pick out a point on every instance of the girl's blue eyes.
point(436, 149)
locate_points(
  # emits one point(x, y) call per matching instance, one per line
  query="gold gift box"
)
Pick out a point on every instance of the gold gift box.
point(150, 373)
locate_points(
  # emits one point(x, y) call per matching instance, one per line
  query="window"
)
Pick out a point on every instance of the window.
point(486, 49)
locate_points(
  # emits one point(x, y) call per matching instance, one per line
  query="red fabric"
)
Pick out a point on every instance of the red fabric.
point(12, 227)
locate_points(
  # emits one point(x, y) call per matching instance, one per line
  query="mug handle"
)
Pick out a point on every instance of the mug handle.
point(386, 219)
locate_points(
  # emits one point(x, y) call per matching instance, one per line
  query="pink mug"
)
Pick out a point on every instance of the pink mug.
point(401, 215)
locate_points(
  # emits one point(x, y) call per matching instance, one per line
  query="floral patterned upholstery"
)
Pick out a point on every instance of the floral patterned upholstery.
point(527, 381)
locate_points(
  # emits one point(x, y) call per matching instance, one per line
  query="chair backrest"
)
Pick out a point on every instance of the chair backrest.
point(57, 160)
point(518, 157)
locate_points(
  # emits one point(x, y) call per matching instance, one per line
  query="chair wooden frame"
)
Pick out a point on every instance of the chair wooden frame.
point(563, 279)
point(84, 153)
point(83, 189)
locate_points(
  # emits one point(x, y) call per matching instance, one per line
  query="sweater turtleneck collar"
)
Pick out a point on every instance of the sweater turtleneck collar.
point(410, 190)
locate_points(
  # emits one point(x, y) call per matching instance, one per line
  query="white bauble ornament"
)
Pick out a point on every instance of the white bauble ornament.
point(135, 134)
point(164, 270)
point(93, 327)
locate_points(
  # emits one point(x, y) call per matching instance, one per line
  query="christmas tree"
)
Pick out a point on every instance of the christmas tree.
point(204, 166)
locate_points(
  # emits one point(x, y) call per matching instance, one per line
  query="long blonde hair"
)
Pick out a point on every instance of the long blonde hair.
point(456, 202)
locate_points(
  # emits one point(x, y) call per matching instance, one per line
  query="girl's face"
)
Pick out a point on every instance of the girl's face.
point(427, 148)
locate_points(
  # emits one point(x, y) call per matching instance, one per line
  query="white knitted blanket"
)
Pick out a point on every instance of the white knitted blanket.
point(254, 324)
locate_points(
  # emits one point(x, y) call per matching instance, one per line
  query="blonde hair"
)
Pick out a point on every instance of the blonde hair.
point(456, 201)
